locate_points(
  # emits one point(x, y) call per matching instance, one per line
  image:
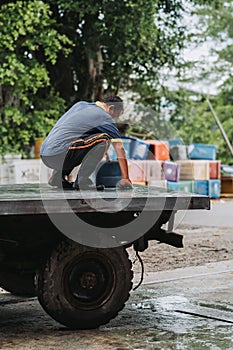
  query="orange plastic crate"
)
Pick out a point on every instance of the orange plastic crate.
point(215, 169)
point(158, 150)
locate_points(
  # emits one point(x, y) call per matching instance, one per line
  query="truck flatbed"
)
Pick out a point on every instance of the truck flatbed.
point(32, 199)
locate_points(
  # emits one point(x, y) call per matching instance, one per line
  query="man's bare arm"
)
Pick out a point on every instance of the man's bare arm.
point(119, 148)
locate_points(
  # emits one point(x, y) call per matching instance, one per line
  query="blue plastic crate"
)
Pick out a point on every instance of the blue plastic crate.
point(132, 143)
point(214, 188)
point(173, 186)
point(127, 146)
point(108, 174)
point(201, 187)
point(175, 142)
point(202, 151)
point(140, 149)
point(186, 186)
point(227, 170)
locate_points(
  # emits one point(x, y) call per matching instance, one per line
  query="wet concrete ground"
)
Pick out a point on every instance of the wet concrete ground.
point(189, 308)
point(182, 309)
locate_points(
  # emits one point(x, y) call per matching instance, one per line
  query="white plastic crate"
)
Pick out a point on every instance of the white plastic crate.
point(9, 157)
point(137, 170)
point(28, 171)
point(153, 170)
point(158, 183)
point(194, 169)
point(4, 174)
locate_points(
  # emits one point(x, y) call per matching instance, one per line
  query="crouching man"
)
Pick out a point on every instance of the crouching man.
point(81, 137)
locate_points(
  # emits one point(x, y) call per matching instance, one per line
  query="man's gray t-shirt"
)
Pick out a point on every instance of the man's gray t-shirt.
point(80, 121)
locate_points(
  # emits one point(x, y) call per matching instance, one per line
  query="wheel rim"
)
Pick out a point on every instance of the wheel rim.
point(89, 281)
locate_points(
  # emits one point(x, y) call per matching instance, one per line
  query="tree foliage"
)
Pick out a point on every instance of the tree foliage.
point(56, 52)
point(29, 104)
point(191, 115)
point(193, 120)
point(116, 42)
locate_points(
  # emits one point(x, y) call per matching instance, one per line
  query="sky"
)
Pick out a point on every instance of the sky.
point(203, 57)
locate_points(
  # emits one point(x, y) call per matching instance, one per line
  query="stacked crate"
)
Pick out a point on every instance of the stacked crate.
point(21, 171)
point(207, 153)
point(145, 159)
point(28, 171)
point(214, 184)
point(158, 150)
point(172, 165)
point(4, 167)
point(134, 149)
point(227, 180)
point(147, 172)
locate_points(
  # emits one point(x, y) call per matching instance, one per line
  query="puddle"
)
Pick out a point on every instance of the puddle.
point(173, 322)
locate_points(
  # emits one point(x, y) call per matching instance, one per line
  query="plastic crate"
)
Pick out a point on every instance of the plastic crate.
point(179, 152)
point(214, 188)
point(158, 183)
point(112, 153)
point(175, 142)
point(186, 186)
point(158, 150)
point(194, 169)
point(28, 171)
point(108, 174)
point(226, 170)
point(5, 161)
point(9, 157)
point(4, 174)
point(153, 170)
point(171, 171)
point(140, 149)
point(202, 151)
point(173, 186)
point(215, 169)
point(136, 170)
point(201, 187)
point(132, 143)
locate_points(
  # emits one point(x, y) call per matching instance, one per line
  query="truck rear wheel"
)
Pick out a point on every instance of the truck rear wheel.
point(83, 287)
point(18, 283)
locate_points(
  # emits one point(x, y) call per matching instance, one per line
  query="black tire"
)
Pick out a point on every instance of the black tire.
point(18, 283)
point(83, 287)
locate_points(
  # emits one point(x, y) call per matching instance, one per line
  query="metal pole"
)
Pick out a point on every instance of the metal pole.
point(220, 127)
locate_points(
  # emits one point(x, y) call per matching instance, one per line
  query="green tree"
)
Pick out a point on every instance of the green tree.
point(193, 121)
point(29, 104)
point(56, 52)
point(118, 44)
point(189, 111)
point(213, 31)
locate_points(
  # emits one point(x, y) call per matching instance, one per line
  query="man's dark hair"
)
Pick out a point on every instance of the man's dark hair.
point(115, 100)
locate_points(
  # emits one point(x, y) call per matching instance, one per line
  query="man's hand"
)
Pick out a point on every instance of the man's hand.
point(126, 183)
